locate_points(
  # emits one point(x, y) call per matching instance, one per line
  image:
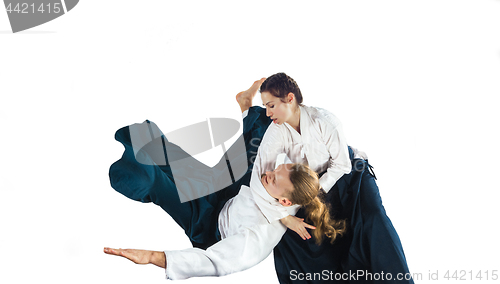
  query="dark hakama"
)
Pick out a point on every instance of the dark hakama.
point(371, 246)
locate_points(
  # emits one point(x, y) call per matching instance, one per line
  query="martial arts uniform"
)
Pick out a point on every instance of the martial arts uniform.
point(321, 145)
point(201, 220)
point(371, 251)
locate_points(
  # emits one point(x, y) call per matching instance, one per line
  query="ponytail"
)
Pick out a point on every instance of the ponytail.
point(306, 193)
point(318, 213)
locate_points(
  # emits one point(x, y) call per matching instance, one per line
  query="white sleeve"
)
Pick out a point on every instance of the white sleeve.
point(272, 145)
point(232, 254)
point(339, 162)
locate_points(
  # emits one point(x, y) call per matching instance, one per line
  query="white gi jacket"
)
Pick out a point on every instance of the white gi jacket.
point(249, 223)
point(247, 239)
point(321, 145)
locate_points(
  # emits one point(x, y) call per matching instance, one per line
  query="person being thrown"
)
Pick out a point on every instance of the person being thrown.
point(247, 236)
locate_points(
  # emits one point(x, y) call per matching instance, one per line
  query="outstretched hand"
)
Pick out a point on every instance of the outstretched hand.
point(297, 225)
point(139, 256)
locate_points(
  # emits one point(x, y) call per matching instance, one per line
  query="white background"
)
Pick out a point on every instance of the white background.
point(414, 83)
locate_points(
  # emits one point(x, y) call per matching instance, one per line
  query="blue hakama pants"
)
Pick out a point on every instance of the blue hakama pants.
point(370, 247)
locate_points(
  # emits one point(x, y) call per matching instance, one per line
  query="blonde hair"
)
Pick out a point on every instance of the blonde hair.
point(306, 193)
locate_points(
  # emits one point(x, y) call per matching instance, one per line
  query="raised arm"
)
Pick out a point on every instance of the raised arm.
point(272, 145)
point(339, 162)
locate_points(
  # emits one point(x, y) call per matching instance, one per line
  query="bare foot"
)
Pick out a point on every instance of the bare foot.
point(245, 98)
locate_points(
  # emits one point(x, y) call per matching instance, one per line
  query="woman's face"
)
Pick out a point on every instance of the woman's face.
point(277, 182)
point(279, 111)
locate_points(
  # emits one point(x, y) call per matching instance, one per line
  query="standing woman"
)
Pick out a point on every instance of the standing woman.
point(314, 136)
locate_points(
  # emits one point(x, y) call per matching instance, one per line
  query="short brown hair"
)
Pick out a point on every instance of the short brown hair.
point(279, 85)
